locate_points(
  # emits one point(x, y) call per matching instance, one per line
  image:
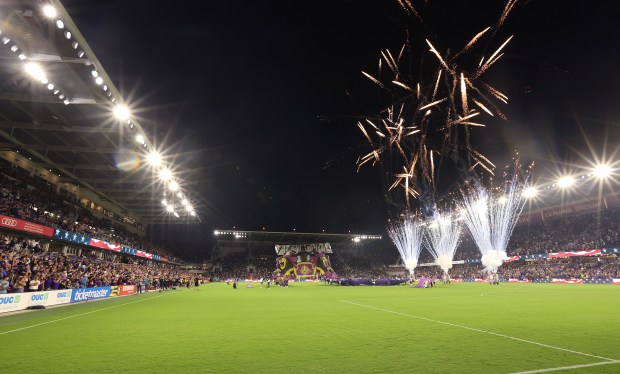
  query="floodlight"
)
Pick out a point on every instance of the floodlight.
point(49, 11)
point(185, 203)
point(99, 80)
point(502, 200)
point(176, 214)
point(357, 239)
point(530, 192)
point(173, 186)
point(60, 24)
point(165, 174)
point(170, 208)
point(192, 213)
point(35, 71)
point(188, 208)
point(153, 158)
point(164, 202)
point(140, 139)
point(602, 171)
point(566, 181)
point(121, 112)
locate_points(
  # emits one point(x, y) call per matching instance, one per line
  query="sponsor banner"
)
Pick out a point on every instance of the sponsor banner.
point(48, 298)
point(597, 281)
point(21, 225)
point(84, 294)
point(13, 301)
point(593, 252)
point(126, 290)
point(71, 237)
point(138, 253)
point(567, 281)
point(511, 258)
point(144, 254)
point(114, 291)
point(615, 281)
point(105, 245)
point(513, 280)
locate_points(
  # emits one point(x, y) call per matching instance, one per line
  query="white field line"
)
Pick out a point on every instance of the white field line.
point(568, 367)
point(480, 331)
point(78, 315)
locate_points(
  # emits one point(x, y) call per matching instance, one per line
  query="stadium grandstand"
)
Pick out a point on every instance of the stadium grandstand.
point(80, 178)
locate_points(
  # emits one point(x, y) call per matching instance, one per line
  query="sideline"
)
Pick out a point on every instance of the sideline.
point(82, 314)
point(611, 360)
point(568, 367)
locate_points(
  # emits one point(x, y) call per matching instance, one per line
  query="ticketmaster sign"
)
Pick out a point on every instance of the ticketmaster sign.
point(84, 294)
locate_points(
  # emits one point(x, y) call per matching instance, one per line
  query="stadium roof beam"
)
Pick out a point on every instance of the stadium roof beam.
point(57, 128)
point(57, 148)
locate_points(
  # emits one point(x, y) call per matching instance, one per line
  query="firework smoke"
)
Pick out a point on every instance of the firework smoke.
point(407, 235)
point(491, 218)
point(442, 238)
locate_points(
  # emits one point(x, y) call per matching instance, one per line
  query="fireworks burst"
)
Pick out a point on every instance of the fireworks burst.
point(491, 217)
point(442, 238)
point(407, 235)
point(429, 116)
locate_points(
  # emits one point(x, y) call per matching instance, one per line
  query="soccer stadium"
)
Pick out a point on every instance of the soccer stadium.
point(134, 242)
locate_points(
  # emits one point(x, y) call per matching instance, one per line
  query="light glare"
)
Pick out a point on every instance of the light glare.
point(602, 171)
point(566, 181)
point(121, 112)
point(530, 192)
point(49, 11)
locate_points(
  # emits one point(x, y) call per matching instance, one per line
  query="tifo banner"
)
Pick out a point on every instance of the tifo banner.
point(126, 290)
point(21, 225)
point(294, 249)
point(84, 294)
point(305, 269)
point(105, 245)
point(71, 237)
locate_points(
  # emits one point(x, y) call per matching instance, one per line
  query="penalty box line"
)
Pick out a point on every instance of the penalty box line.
point(482, 331)
point(78, 315)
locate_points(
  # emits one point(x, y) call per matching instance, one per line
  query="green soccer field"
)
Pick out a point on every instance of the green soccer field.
point(458, 328)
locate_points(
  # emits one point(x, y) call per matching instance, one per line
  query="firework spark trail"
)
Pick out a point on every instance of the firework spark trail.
point(442, 239)
point(407, 235)
point(491, 221)
point(432, 115)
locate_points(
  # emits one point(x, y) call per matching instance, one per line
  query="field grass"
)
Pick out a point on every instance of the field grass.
point(457, 328)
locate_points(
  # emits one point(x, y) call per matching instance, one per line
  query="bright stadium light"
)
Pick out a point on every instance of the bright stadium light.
point(173, 186)
point(602, 171)
point(185, 203)
point(188, 208)
point(502, 200)
point(170, 208)
point(176, 214)
point(35, 71)
point(140, 139)
point(49, 11)
point(530, 192)
point(165, 174)
point(121, 112)
point(357, 239)
point(153, 158)
point(164, 202)
point(566, 181)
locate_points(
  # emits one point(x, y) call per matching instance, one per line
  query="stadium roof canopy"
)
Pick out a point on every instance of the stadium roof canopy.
point(58, 108)
point(239, 238)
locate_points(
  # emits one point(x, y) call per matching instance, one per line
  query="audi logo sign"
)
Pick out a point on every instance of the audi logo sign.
point(9, 222)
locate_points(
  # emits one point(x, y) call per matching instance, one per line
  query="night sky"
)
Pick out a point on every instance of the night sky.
point(258, 99)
